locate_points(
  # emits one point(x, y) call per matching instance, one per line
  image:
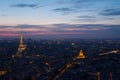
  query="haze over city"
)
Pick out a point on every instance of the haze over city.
point(60, 18)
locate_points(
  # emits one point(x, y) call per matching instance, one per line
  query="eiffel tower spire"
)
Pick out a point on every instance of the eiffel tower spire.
point(21, 39)
point(81, 55)
point(21, 47)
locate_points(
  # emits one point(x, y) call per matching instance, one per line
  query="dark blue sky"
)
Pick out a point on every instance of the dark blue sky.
point(60, 18)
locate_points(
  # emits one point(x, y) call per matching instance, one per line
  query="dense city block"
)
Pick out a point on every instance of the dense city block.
point(65, 59)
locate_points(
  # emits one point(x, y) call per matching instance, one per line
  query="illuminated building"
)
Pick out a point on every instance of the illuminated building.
point(2, 72)
point(81, 55)
point(21, 47)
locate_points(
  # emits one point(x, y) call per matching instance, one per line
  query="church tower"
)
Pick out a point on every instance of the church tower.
point(81, 55)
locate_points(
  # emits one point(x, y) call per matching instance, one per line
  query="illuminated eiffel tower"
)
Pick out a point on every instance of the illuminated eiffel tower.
point(21, 47)
point(81, 55)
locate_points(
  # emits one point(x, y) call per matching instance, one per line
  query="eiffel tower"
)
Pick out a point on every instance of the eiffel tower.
point(21, 47)
point(81, 55)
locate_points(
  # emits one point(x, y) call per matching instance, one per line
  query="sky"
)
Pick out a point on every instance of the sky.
point(87, 19)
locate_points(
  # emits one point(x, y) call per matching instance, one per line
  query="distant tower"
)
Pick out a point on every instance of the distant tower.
point(21, 39)
point(81, 55)
point(22, 47)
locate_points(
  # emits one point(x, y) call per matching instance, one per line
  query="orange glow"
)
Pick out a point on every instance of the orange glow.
point(81, 55)
point(2, 72)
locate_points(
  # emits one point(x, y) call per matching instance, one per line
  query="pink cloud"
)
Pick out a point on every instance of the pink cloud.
point(8, 35)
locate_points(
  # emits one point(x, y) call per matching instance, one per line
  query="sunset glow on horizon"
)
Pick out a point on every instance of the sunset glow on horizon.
point(59, 18)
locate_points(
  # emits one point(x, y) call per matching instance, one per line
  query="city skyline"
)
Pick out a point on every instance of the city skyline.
point(60, 18)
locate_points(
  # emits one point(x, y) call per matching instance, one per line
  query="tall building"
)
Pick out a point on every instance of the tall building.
point(81, 55)
point(22, 46)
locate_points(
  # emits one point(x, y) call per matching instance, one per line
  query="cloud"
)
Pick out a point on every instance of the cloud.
point(77, 6)
point(64, 10)
point(86, 17)
point(111, 12)
point(96, 7)
point(72, 1)
point(3, 15)
point(86, 30)
point(23, 5)
point(83, 25)
point(54, 27)
point(22, 26)
point(29, 26)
